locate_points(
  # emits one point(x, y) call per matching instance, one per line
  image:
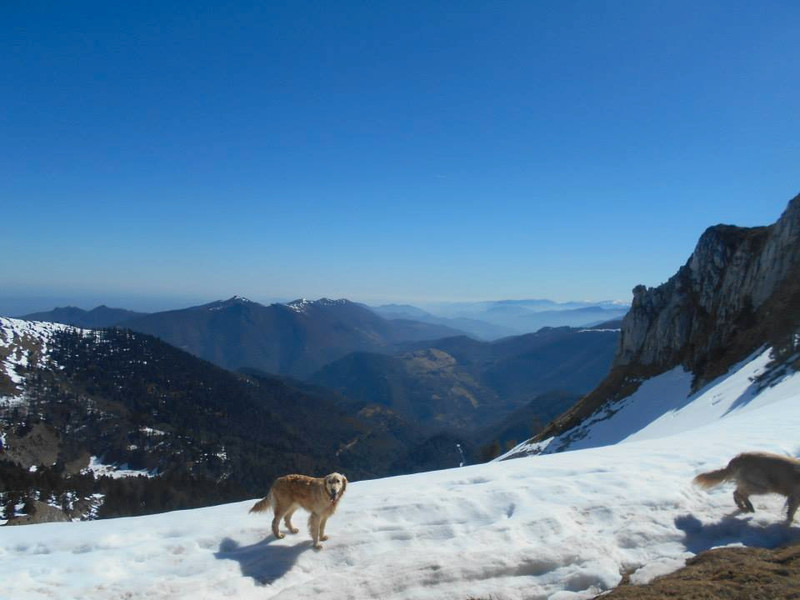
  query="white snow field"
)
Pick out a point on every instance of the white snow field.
point(550, 526)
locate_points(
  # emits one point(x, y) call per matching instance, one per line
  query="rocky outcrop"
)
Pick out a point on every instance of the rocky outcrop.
point(739, 290)
point(703, 310)
point(39, 512)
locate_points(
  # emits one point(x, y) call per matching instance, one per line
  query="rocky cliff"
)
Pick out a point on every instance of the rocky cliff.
point(739, 290)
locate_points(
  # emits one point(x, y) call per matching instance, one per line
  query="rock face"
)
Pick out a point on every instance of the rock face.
point(723, 291)
point(739, 290)
point(40, 513)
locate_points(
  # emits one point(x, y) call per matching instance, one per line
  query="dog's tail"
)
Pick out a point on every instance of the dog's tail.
point(714, 478)
point(263, 505)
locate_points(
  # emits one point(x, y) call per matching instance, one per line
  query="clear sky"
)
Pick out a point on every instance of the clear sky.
point(154, 152)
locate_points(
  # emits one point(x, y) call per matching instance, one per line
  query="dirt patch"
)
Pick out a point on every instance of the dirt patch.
point(725, 574)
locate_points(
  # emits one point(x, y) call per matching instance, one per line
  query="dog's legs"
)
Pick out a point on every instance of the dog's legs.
point(793, 502)
point(322, 523)
point(288, 519)
point(280, 510)
point(742, 501)
point(313, 527)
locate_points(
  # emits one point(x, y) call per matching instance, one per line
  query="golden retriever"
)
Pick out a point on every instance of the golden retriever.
point(318, 495)
point(759, 473)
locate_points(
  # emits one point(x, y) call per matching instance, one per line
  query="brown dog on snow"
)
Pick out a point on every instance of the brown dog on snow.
point(759, 473)
point(317, 495)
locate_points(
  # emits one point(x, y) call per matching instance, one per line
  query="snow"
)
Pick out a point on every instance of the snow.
point(665, 405)
point(17, 338)
point(302, 305)
point(560, 526)
point(152, 432)
point(99, 469)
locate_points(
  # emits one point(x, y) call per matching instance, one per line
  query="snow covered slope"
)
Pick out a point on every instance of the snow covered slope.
point(22, 344)
point(665, 405)
point(549, 526)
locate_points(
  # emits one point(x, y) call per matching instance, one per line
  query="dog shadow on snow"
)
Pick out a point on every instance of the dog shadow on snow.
point(263, 561)
point(736, 527)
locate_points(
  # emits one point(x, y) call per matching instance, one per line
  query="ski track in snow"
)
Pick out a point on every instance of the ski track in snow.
point(560, 526)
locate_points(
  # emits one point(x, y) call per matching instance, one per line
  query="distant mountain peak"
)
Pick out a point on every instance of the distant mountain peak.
point(300, 305)
point(232, 301)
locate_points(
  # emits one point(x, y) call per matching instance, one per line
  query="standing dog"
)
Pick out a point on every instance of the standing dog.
point(317, 495)
point(759, 473)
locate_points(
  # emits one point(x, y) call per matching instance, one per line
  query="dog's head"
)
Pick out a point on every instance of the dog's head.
point(335, 485)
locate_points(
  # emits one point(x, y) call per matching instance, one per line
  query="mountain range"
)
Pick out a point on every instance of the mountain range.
point(492, 320)
point(97, 318)
point(426, 372)
point(286, 339)
point(481, 320)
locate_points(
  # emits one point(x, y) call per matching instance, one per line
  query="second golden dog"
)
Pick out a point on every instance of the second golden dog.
point(759, 473)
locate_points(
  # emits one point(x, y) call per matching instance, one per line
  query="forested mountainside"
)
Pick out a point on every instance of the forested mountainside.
point(200, 434)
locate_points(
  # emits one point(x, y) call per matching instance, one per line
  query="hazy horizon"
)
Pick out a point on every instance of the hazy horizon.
point(18, 306)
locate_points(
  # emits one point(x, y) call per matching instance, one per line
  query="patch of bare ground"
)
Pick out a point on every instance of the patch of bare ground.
point(724, 574)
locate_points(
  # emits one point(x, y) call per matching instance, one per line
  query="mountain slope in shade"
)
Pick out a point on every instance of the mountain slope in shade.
point(97, 318)
point(466, 384)
point(289, 339)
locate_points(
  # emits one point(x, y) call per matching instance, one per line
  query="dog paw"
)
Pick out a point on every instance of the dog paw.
point(280, 536)
point(294, 530)
point(318, 546)
point(324, 538)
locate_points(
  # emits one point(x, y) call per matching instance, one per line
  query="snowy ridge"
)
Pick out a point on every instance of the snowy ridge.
point(302, 305)
point(23, 344)
point(560, 526)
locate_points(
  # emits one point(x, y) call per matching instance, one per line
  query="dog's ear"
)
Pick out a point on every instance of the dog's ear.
point(344, 483)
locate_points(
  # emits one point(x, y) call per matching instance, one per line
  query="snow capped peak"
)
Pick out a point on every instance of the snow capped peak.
point(301, 305)
point(232, 301)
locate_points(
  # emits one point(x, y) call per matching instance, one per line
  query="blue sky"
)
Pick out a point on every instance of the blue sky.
point(155, 153)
